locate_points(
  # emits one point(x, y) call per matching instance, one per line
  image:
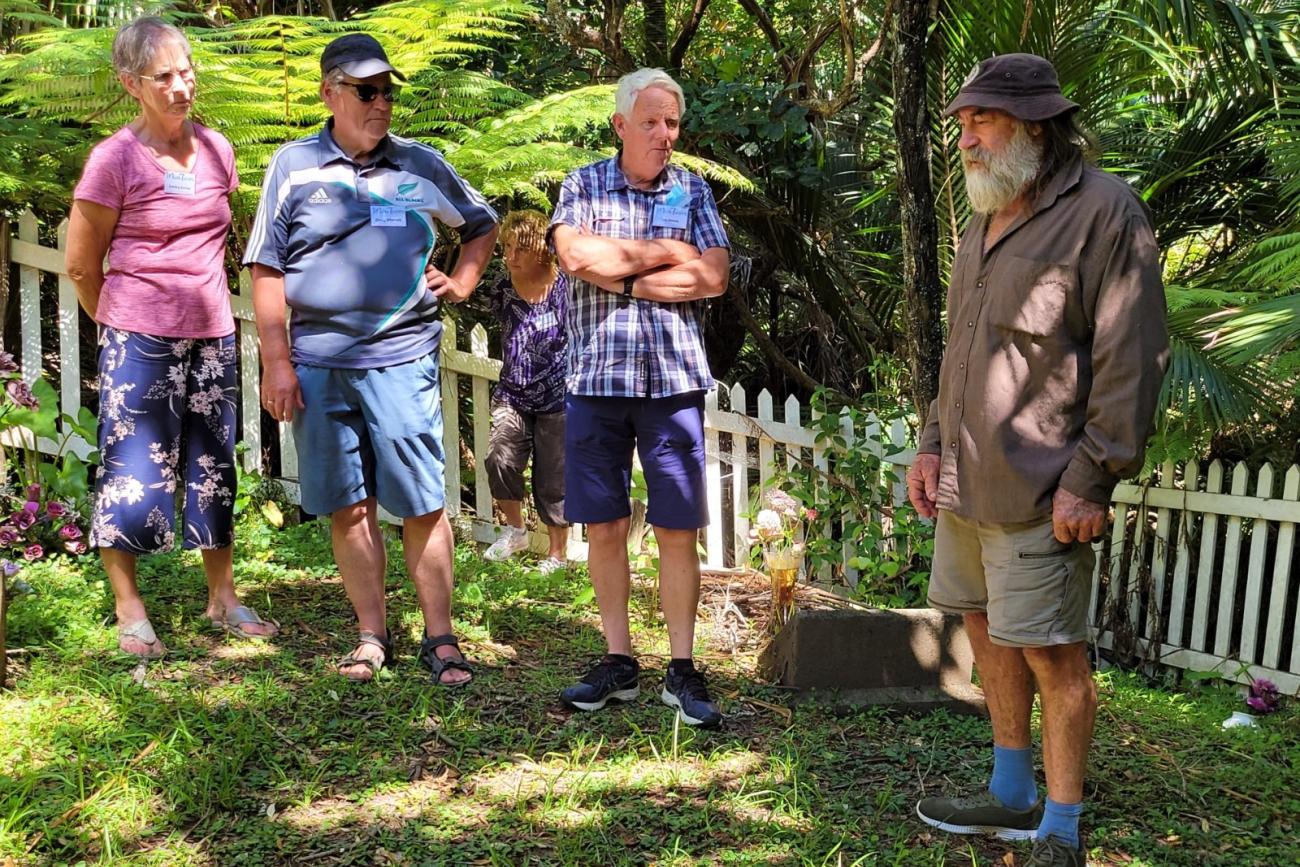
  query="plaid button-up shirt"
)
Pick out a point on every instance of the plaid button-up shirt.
point(629, 347)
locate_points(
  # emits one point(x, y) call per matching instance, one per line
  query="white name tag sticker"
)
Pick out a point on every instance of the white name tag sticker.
point(387, 215)
point(546, 320)
point(178, 183)
point(667, 217)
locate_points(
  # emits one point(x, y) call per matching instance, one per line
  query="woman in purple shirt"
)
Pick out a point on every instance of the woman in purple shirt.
point(155, 196)
point(528, 404)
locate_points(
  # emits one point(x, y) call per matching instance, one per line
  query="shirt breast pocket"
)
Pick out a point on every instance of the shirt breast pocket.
point(610, 222)
point(1031, 296)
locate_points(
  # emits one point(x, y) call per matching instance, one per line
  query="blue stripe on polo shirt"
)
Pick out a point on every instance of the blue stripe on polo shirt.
point(356, 290)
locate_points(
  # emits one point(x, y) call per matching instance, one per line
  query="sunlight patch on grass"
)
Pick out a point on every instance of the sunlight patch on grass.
point(244, 650)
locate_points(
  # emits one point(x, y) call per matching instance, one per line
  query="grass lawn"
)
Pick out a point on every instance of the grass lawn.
point(231, 752)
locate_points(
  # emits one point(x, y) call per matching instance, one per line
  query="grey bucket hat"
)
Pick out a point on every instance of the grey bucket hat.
point(1022, 85)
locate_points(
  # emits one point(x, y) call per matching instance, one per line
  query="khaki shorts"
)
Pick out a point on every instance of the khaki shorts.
point(1034, 589)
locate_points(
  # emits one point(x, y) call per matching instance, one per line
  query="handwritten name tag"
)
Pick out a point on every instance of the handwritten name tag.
point(178, 183)
point(387, 215)
point(546, 320)
point(668, 217)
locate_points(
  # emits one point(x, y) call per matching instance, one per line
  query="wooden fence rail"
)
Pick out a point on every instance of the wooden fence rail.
point(1192, 576)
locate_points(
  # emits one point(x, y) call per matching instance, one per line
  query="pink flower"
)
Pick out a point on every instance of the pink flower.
point(55, 509)
point(21, 393)
point(23, 519)
point(70, 531)
point(32, 506)
point(33, 492)
point(811, 514)
point(8, 535)
point(74, 547)
point(33, 552)
point(7, 363)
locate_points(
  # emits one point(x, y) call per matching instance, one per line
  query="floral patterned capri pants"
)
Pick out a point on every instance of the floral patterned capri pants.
point(166, 432)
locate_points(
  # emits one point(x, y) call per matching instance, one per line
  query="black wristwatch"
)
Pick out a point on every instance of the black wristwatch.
point(627, 286)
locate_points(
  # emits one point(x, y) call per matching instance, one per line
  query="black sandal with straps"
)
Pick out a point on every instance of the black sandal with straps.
point(437, 665)
point(368, 637)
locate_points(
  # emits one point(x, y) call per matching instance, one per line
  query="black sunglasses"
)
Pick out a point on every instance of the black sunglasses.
point(368, 92)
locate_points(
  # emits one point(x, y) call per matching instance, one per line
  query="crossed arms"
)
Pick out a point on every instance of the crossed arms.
point(664, 269)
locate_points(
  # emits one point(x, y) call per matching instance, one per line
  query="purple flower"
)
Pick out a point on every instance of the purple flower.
point(7, 363)
point(74, 547)
point(21, 393)
point(8, 535)
point(10, 568)
point(70, 531)
point(32, 506)
point(23, 519)
point(33, 552)
point(33, 492)
point(55, 509)
point(1264, 697)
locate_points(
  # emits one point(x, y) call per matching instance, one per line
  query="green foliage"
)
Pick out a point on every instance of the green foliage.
point(865, 533)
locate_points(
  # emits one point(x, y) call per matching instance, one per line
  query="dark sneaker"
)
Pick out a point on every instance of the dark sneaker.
point(610, 680)
point(1055, 852)
point(687, 692)
point(980, 814)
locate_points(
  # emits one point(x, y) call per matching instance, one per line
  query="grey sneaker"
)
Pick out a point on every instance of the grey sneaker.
point(1055, 852)
point(980, 814)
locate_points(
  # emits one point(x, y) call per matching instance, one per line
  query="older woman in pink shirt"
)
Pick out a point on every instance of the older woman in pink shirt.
point(155, 196)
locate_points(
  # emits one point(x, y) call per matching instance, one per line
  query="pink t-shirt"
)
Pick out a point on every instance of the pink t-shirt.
point(166, 261)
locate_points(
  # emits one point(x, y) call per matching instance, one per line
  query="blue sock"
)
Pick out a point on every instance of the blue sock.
point(1013, 777)
point(1062, 822)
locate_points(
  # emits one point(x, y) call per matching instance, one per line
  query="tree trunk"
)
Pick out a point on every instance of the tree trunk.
point(923, 295)
point(656, 33)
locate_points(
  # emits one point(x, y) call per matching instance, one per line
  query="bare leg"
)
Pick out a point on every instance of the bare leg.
point(1008, 688)
point(359, 552)
point(513, 510)
point(120, 566)
point(679, 587)
point(1069, 707)
point(427, 543)
point(218, 565)
point(607, 563)
point(558, 537)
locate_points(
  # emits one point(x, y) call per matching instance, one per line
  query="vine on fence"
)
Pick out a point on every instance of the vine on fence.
point(863, 527)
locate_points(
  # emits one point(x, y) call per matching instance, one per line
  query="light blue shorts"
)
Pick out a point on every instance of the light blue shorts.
point(371, 433)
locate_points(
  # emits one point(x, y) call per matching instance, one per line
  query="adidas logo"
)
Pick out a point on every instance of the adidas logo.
point(320, 197)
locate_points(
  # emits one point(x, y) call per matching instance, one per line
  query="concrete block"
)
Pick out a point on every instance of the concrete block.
point(913, 658)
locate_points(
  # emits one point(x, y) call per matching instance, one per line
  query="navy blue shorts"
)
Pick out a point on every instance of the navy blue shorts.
point(668, 434)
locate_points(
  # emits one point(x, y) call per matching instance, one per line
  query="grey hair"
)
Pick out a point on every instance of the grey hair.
point(136, 43)
point(631, 85)
point(335, 76)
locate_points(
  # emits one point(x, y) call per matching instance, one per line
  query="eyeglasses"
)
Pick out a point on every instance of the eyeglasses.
point(165, 79)
point(368, 92)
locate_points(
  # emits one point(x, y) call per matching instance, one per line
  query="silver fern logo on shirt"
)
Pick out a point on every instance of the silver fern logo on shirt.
point(409, 194)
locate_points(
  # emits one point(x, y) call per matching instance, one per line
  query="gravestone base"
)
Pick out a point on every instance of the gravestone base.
point(909, 658)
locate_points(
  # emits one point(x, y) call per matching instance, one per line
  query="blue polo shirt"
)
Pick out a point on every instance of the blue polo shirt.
point(352, 241)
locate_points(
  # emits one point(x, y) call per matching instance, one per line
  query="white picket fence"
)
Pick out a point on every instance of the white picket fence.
point(1192, 576)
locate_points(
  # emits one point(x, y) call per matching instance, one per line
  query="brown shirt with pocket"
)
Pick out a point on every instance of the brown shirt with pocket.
point(1056, 353)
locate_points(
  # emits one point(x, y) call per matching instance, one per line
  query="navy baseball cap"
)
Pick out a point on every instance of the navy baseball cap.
point(359, 55)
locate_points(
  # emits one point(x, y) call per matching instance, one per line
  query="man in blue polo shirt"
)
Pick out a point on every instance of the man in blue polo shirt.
point(343, 236)
point(644, 244)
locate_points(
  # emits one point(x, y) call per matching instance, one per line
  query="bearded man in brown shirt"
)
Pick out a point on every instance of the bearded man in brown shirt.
point(1056, 352)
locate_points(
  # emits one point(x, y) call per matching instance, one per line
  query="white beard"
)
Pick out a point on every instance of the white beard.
point(1003, 175)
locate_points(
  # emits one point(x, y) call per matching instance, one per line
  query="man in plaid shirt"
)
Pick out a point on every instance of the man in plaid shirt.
point(644, 245)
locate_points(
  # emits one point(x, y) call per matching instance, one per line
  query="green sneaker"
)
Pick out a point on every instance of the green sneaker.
point(1055, 852)
point(980, 814)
